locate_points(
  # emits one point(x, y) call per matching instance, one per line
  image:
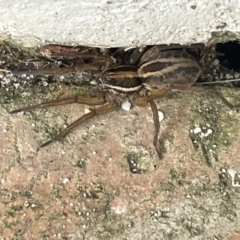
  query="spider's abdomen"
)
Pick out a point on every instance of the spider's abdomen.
point(159, 67)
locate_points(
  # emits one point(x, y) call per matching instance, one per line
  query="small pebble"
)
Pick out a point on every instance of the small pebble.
point(160, 116)
point(126, 105)
point(236, 75)
point(209, 131)
point(196, 130)
point(93, 82)
point(65, 180)
point(45, 84)
point(216, 62)
point(86, 110)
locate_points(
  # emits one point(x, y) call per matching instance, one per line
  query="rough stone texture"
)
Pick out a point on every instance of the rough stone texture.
point(82, 188)
point(115, 23)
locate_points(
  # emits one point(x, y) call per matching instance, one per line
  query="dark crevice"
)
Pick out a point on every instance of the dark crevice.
point(229, 55)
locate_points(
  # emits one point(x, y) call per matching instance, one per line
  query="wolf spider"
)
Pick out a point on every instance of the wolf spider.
point(144, 77)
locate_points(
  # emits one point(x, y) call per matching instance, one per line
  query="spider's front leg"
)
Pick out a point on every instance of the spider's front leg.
point(149, 98)
point(59, 59)
point(90, 100)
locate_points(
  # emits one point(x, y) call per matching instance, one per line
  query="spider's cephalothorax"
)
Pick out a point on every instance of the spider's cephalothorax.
point(157, 71)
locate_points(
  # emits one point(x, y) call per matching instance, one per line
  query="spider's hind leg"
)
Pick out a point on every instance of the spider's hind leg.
point(89, 100)
point(109, 107)
point(211, 91)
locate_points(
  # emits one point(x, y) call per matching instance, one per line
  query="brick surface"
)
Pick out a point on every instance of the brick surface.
point(82, 187)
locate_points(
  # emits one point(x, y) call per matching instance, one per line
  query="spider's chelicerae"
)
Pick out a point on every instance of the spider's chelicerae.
point(142, 77)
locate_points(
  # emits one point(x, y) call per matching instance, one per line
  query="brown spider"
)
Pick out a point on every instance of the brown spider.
point(160, 69)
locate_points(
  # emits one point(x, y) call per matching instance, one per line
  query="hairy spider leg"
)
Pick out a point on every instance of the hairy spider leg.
point(64, 70)
point(205, 90)
point(157, 127)
point(90, 100)
point(149, 98)
point(109, 107)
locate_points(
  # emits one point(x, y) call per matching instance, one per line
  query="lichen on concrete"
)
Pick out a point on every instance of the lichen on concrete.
point(213, 124)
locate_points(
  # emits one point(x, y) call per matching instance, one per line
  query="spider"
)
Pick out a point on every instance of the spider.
point(144, 77)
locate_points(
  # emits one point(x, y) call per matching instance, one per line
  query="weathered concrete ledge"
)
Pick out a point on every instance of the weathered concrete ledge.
point(113, 23)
